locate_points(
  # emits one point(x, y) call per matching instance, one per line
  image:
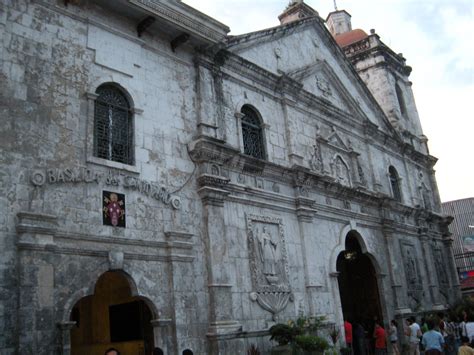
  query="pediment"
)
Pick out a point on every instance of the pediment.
point(306, 52)
point(321, 80)
point(335, 140)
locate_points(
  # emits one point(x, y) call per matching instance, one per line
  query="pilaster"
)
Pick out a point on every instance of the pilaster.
point(398, 294)
point(305, 212)
point(219, 285)
point(429, 264)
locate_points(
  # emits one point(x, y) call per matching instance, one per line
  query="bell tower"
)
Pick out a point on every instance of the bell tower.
point(384, 72)
point(296, 10)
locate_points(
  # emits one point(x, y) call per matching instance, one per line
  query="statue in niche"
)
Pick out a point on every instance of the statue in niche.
point(411, 269)
point(268, 255)
point(441, 268)
point(315, 161)
point(340, 171)
point(360, 171)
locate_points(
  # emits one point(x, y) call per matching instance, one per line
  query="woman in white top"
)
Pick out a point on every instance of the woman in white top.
point(393, 336)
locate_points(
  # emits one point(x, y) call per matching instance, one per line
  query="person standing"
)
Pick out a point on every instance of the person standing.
point(358, 339)
point(432, 341)
point(465, 349)
point(380, 342)
point(469, 327)
point(414, 333)
point(348, 333)
point(393, 336)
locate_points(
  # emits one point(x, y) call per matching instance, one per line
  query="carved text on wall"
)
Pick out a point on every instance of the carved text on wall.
point(70, 175)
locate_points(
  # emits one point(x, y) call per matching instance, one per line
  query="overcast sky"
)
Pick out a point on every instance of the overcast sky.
point(436, 38)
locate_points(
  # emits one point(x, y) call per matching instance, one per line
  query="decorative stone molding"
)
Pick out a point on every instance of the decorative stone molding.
point(185, 18)
point(212, 180)
point(65, 335)
point(161, 322)
point(36, 223)
point(116, 260)
point(213, 196)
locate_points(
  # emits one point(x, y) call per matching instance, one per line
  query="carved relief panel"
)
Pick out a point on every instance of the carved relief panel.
point(268, 263)
point(332, 156)
point(412, 274)
point(440, 267)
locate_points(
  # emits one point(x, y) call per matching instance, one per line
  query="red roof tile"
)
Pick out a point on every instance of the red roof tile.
point(347, 38)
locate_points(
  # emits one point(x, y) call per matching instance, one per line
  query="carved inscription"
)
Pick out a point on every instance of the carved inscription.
point(90, 176)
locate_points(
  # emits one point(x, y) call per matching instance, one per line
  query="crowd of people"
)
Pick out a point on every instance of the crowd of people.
point(436, 335)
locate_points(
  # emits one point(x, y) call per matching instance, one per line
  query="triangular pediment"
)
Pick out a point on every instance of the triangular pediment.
point(320, 80)
point(306, 52)
point(336, 141)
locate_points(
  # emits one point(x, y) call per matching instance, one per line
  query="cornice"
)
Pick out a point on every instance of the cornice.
point(186, 18)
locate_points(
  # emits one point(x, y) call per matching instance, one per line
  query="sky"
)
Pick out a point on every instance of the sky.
point(436, 38)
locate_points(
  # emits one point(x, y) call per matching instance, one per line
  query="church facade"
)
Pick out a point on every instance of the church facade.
point(166, 185)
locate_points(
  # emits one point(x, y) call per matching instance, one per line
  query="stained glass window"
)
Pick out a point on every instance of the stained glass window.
point(252, 133)
point(113, 125)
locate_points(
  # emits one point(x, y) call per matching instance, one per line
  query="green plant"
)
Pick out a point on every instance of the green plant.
point(345, 351)
point(253, 350)
point(283, 333)
point(311, 343)
point(334, 334)
point(286, 333)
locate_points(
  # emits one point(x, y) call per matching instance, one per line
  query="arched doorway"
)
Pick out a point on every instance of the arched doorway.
point(111, 318)
point(358, 285)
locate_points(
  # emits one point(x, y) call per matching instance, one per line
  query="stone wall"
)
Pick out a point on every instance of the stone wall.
point(196, 206)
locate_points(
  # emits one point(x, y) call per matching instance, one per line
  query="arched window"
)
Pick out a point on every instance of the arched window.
point(395, 183)
point(187, 352)
point(401, 100)
point(252, 133)
point(113, 125)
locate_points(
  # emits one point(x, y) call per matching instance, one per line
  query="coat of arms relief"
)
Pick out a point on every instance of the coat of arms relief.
point(268, 263)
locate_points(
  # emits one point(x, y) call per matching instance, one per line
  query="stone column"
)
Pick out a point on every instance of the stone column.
point(295, 157)
point(36, 283)
point(65, 328)
point(207, 111)
point(305, 213)
point(453, 272)
point(336, 298)
point(398, 293)
point(161, 333)
point(429, 264)
point(220, 288)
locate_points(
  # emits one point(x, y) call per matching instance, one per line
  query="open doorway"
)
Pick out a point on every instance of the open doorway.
point(111, 317)
point(358, 289)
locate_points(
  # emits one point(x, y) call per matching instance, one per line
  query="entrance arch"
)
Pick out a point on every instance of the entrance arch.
point(112, 318)
point(358, 285)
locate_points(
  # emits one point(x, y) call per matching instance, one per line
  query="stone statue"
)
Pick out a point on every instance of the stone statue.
point(315, 161)
point(341, 172)
point(268, 249)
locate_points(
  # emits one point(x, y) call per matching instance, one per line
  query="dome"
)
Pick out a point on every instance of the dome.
point(347, 38)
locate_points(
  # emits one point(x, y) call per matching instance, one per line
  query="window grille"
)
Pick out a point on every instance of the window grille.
point(395, 182)
point(252, 133)
point(113, 126)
